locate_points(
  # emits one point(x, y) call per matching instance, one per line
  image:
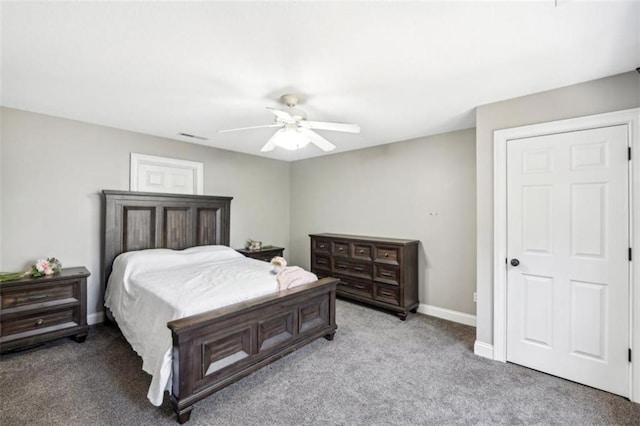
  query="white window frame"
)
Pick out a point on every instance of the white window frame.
point(170, 163)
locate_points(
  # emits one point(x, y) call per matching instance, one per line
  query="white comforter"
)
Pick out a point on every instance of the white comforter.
point(149, 288)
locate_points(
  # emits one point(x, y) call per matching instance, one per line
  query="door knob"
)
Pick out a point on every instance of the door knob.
point(515, 262)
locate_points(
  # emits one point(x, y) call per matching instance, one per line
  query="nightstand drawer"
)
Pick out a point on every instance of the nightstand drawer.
point(265, 254)
point(29, 296)
point(37, 321)
point(264, 257)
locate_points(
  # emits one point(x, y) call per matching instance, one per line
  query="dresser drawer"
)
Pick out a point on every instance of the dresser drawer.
point(386, 293)
point(354, 286)
point(321, 262)
point(29, 296)
point(360, 251)
point(321, 246)
point(37, 321)
point(387, 274)
point(340, 248)
point(356, 269)
point(386, 254)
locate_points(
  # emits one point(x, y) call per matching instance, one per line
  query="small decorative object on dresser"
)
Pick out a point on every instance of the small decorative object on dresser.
point(253, 245)
point(377, 271)
point(266, 253)
point(36, 310)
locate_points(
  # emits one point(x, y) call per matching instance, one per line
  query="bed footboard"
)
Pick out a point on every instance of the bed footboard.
point(215, 349)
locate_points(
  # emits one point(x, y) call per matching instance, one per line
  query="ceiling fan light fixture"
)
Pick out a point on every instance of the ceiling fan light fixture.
point(290, 139)
point(295, 131)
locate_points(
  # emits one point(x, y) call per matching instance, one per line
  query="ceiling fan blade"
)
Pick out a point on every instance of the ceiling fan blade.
point(283, 116)
point(271, 143)
point(336, 127)
point(248, 128)
point(318, 140)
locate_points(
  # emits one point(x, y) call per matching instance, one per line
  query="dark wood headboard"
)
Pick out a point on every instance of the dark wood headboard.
point(144, 220)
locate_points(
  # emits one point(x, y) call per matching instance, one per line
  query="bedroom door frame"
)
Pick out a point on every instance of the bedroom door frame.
point(631, 119)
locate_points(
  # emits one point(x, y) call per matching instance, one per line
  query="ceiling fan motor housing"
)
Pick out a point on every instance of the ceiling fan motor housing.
point(291, 101)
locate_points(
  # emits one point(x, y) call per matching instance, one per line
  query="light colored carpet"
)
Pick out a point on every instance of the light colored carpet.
point(377, 371)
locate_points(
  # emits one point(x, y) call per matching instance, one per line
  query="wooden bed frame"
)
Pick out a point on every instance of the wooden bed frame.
point(216, 348)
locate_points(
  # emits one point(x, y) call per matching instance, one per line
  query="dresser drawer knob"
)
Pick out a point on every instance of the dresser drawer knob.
point(386, 255)
point(39, 296)
point(341, 249)
point(361, 251)
point(359, 287)
point(385, 274)
point(39, 322)
point(321, 246)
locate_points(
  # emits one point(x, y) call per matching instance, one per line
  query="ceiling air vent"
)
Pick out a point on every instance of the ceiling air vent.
point(187, 135)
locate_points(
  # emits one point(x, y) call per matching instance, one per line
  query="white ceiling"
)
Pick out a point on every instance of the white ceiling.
point(400, 70)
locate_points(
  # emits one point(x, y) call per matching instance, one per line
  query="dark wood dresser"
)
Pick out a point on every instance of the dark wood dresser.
point(378, 271)
point(265, 254)
point(36, 310)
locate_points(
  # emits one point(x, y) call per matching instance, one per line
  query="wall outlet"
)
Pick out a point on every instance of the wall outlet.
point(475, 297)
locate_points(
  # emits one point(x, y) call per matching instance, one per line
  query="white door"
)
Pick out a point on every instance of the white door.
point(568, 227)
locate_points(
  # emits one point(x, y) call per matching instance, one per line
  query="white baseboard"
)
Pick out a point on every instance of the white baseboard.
point(482, 349)
point(95, 318)
point(455, 316)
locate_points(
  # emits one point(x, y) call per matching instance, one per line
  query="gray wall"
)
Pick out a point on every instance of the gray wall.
point(53, 169)
point(613, 93)
point(390, 190)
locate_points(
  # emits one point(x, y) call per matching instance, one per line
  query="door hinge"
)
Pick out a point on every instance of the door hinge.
point(630, 254)
point(629, 153)
point(629, 354)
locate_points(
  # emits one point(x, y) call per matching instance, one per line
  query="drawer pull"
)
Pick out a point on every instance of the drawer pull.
point(360, 287)
point(386, 255)
point(321, 246)
point(341, 249)
point(321, 261)
point(342, 266)
point(385, 274)
point(361, 251)
point(358, 268)
point(387, 293)
point(39, 322)
point(39, 296)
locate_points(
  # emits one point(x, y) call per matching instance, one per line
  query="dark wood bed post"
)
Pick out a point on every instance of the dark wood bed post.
point(217, 348)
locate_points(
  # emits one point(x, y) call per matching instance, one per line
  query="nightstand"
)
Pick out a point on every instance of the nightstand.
point(36, 310)
point(265, 254)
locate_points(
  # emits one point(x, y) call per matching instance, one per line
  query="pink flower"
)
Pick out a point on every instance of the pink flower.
point(279, 262)
point(42, 265)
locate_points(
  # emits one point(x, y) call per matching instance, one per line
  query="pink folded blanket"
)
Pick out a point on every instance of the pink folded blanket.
point(292, 276)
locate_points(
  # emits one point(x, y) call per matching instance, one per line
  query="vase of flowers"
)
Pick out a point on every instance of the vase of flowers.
point(253, 245)
point(278, 263)
point(42, 267)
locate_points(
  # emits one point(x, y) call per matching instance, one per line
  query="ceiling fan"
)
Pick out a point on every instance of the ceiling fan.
point(295, 130)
